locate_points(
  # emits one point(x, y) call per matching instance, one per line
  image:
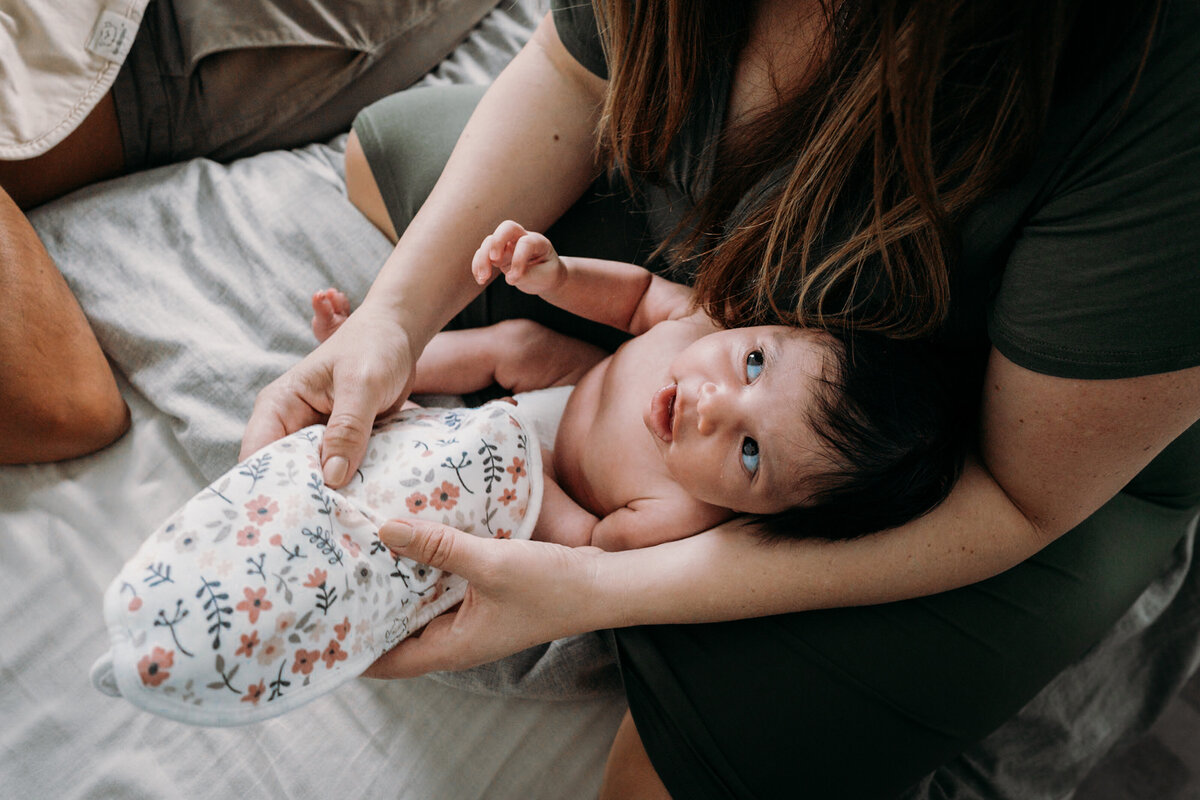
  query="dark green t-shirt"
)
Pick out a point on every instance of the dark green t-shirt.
point(1088, 265)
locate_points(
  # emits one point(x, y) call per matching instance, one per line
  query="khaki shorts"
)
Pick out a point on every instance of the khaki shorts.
point(227, 78)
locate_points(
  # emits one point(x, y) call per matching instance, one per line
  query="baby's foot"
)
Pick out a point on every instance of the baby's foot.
point(330, 310)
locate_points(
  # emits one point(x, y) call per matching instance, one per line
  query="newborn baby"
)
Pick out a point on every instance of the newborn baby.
point(689, 424)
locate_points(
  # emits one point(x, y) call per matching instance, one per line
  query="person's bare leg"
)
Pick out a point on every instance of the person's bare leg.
point(363, 191)
point(629, 775)
point(57, 391)
point(91, 153)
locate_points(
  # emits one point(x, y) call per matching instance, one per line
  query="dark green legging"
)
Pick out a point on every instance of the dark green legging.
point(847, 703)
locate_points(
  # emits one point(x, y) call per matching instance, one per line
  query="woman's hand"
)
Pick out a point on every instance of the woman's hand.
point(364, 369)
point(520, 594)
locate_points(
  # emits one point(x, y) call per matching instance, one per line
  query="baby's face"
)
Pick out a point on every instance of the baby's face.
point(731, 419)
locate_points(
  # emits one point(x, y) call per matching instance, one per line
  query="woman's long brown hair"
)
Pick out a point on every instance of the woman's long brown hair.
point(918, 109)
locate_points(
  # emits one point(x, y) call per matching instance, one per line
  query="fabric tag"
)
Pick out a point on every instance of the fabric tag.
point(112, 37)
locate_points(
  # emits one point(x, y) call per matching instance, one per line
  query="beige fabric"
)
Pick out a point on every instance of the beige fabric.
point(52, 73)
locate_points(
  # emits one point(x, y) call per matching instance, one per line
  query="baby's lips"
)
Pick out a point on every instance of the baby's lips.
point(659, 416)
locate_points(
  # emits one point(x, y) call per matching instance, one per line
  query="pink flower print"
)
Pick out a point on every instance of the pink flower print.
point(272, 648)
point(502, 533)
point(305, 661)
point(248, 536)
point(517, 469)
point(333, 654)
point(248, 644)
point(415, 502)
point(443, 498)
point(255, 603)
point(262, 509)
point(254, 693)
point(316, 631)
point(351, 546)
point(316, 578)
point(153, 667)
point(342, 629)
point(285, 621)
point(507, 496)
point(276, 540)
point(135, 604)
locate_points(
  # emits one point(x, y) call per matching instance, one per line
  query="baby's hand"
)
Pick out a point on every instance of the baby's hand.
point(527, 259)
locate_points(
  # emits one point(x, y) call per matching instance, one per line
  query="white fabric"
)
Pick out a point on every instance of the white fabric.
point(268, 589)
point(57, 60)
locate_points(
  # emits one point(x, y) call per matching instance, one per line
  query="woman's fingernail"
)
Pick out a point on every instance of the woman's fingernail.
point(396, 534)
point(335, 471)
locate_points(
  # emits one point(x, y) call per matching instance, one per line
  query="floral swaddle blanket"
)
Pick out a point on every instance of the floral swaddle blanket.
point(268, 589)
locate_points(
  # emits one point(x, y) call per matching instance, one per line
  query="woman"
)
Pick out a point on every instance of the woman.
point(1014, 181)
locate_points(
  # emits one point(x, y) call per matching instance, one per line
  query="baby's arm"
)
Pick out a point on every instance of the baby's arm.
point(617, 294)
point(640, 523)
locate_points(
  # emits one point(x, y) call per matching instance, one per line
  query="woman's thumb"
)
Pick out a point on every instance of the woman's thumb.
point(429, 543)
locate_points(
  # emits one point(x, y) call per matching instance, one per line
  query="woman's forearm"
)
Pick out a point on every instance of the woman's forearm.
point(730, 573)
point(527, 153)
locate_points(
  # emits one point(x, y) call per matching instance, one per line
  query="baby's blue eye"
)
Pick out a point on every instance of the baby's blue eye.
point(754, 364)
point(750, 454)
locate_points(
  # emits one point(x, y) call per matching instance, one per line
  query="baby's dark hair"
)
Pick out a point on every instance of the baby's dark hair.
point(887, 418)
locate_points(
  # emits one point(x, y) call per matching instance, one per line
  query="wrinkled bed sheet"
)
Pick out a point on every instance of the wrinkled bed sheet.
point(197, 280)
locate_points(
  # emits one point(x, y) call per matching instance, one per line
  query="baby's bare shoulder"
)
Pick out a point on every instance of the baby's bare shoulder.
point(657, 518)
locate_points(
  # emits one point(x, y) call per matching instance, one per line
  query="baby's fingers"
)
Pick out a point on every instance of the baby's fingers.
point(504, 238)
point(481, 263)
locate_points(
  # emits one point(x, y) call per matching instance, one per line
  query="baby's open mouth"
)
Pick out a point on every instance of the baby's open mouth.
point(660, 417)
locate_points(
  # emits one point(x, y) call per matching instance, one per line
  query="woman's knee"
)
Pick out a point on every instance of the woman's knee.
point(363, 190)
point(629, 775)
point(398, 148)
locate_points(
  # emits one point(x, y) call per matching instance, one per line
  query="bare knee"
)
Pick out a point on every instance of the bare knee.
point(363, 190)
point(629, 775)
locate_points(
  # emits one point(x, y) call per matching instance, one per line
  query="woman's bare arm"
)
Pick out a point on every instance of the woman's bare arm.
point(1055, 450)
point(527, 153)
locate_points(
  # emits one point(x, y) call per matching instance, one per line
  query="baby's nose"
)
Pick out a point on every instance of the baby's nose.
point(712, 405)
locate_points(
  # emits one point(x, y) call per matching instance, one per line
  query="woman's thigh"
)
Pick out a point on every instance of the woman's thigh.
point(863, 702)
point(407, 139)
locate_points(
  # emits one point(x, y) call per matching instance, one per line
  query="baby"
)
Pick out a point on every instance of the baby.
point(687, 424)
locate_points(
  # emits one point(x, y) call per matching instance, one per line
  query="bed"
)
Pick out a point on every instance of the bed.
point(196, 278)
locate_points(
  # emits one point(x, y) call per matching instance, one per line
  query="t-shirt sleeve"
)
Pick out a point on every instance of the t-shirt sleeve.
point(575, 22)
point(1103, 281)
